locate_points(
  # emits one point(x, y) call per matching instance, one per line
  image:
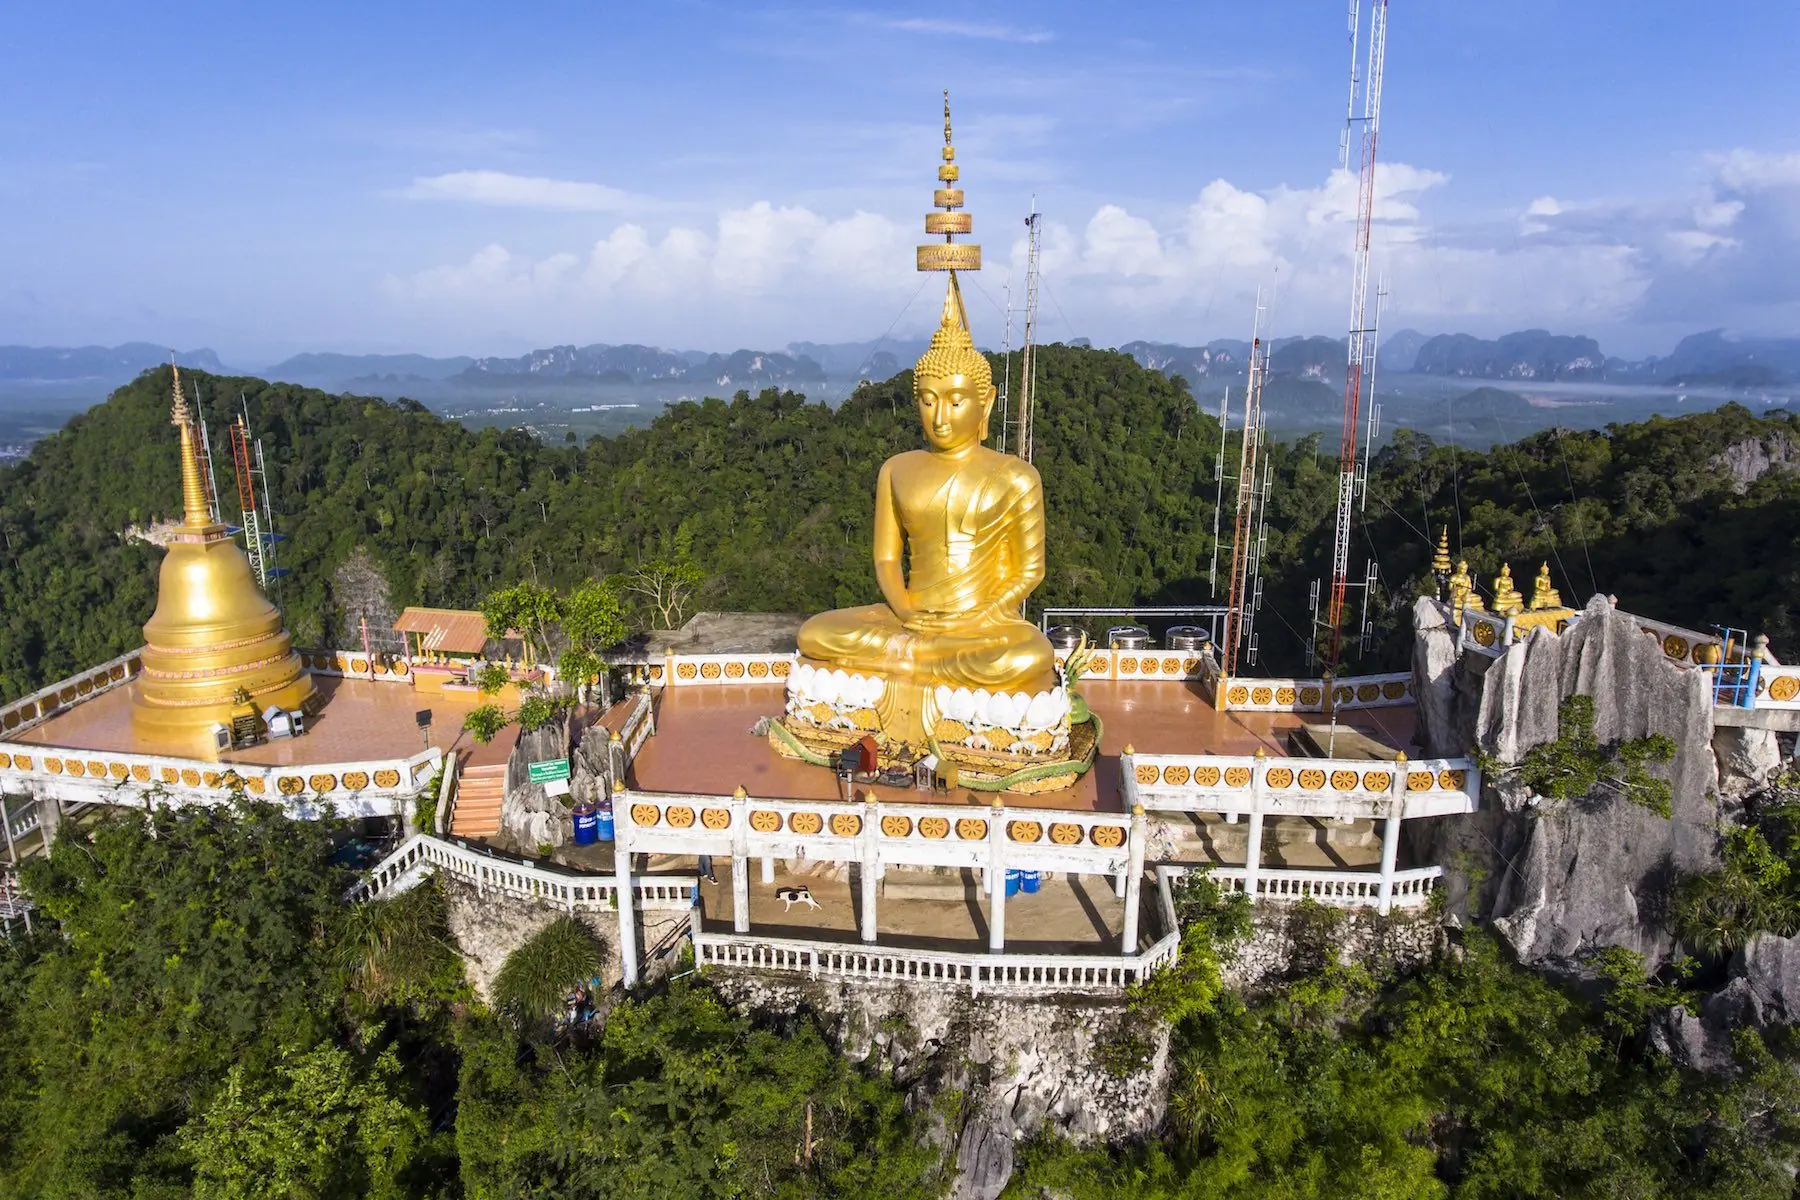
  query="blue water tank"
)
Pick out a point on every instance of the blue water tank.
point(1028, 882)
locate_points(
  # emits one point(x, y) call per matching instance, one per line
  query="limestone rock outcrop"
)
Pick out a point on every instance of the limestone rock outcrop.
point(530, 818)
point(1018, 1066)
point(1560, 880)
point(1763, 990)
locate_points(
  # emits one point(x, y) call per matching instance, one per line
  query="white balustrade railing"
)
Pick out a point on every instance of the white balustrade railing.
point(916, 834)
point(1352, 692)
point(19, 715)
point(1336, 889)
point(523, 880)
point(1285, 786)
point(372, 788)
point(1025, 974)
point(691, 670)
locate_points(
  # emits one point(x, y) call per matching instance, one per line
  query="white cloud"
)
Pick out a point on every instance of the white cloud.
point(499, 189)
point(983, 30)
point(1724, 254)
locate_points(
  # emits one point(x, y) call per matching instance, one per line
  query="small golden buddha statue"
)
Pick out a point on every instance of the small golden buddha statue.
point(1507, 600)
point(1461, 589)
point(967, 522)
point(1542, 594)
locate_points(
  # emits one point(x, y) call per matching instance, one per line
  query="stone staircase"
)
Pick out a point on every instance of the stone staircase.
point(480, 791)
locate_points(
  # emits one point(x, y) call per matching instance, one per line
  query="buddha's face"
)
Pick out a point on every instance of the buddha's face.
point(953, 409)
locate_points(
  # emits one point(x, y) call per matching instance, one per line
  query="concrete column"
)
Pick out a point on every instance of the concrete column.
point(740, 861)
point(1134, 879)
point(628, 948)
point(1119, 885)
point(768, 869)
point(49, 820)
point(12, 853)
point(1253, 852)
point(1390, 835)
point(997, 878)
point(871, 868)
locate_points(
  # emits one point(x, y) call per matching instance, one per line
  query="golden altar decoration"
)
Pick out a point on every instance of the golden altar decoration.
point(947, 664)
point(214, 642)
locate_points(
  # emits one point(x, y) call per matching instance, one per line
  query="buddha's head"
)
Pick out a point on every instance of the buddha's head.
point(953, 384)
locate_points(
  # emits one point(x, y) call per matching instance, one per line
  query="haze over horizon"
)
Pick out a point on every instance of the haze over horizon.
point(708, 176)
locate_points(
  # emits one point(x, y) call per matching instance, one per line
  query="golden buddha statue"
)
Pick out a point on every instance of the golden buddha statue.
point(1460, 591)
point(1507, 600)
point(966, 521)
point(214, 636)
point(1542, 594)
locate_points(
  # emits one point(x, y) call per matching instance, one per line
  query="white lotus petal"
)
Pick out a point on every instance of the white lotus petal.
point(1042, 712)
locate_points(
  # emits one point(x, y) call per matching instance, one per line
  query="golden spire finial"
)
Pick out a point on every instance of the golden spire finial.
point(178, 412)
point(949, 255)
point(1440, 561)
point(198, 514)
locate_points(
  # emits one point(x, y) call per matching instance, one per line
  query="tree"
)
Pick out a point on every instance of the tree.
point(530, 609)
point(533, 983)
point(315, 1125)
point(667, 587)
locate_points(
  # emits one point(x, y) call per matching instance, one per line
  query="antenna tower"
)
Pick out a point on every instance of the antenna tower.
point(1006, 368)
point(1366, 129)
point(1033, 243)
point(253, 495)
point(1248, 531)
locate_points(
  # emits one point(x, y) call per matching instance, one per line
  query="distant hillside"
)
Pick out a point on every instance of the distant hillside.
point(1319, 358)
point(1222, 357)
point(1531, 354)
point(112, 365)
point(1712, 354)
point(646, 364)
point(326, 370)
point(1399, 351)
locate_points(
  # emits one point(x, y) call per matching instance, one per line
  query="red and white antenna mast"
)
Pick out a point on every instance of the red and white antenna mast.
point(1366, 129)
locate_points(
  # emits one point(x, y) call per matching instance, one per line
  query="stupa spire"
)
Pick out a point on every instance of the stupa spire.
point(952, 350)
point(198, 513)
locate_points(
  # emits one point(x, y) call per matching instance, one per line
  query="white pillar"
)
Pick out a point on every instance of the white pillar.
point(1119, 885)
point(997, 878)
point(49, 820)
point(1134, 880)
point(740, 861)
point(871, 868)
point(768, 869)
point(12, 853)
point(628, 950)
point(1390, 835)
point(1253, 852)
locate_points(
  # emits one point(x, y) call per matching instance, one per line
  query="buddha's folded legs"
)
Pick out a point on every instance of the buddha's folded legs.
point(1004, 656)
point(868, 639)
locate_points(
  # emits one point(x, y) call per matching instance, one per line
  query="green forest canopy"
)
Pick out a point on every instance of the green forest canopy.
point(770, 496)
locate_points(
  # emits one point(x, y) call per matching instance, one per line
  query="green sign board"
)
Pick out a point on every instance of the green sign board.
point(545, 772)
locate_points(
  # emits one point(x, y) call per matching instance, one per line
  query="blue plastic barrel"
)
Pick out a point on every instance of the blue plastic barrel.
point(1028, 882)
point(603, 821)
point(1012, 883)
point(587, 825)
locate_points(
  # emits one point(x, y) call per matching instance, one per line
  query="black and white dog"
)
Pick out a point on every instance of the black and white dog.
point(795, 895)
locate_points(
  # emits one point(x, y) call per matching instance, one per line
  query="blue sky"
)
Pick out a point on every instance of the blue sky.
point(483, 179)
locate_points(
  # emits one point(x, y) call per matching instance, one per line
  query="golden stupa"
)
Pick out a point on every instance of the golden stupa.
point(214, 638)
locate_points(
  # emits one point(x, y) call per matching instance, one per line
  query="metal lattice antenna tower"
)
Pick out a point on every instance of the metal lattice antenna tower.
point(1360, 363)
point(1247, 530)
point(1005, 402)
point(1027, 375)
point(260, 537)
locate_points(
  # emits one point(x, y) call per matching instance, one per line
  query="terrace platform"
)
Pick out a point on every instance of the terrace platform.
point(361, 720)
point(703, 744)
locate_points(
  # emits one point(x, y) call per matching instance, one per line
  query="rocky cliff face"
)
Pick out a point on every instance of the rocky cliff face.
point(1560, 880)
point(529, 818)
point(986, 1071)
point(1763, 990)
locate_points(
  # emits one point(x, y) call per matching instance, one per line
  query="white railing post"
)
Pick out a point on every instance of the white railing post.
point(1253, 851)
point(628, 958)
point(740, 860)
point(871, 867)
point(1134, 878)
point(1390, 835)
point(997, 877)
